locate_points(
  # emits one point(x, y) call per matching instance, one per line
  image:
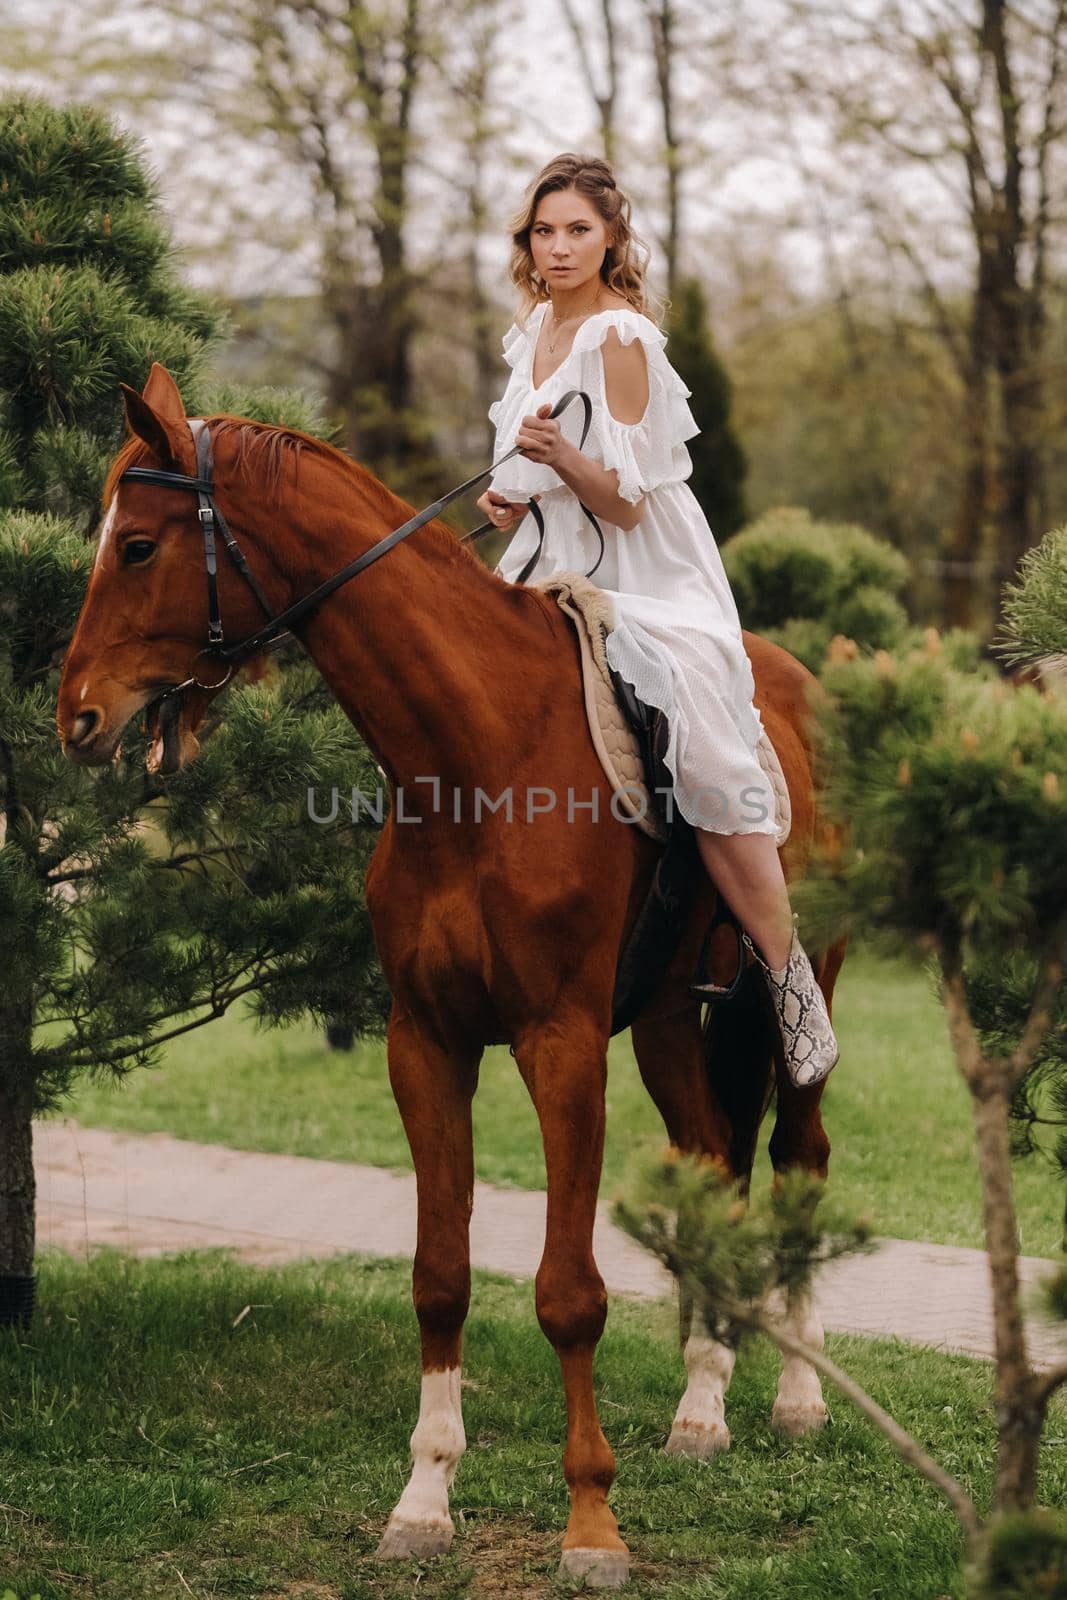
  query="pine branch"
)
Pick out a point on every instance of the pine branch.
point(159, 864)
point(217, 1008)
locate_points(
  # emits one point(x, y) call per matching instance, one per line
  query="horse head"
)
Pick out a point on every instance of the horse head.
point(144, 620)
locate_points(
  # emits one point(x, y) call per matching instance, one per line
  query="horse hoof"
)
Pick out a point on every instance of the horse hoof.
point(601, 1569)
point(794, 1421)
point(418, 1541)
point(698, 1441)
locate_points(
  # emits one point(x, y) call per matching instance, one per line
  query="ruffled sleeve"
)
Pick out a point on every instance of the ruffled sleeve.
point(513, 343)
point(651, 452)
point(512, 348)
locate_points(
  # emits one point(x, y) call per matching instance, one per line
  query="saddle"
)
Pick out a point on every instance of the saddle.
point(630, 739)
point(614, 721)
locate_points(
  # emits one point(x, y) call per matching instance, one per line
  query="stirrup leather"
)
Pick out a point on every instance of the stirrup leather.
point(701, 987)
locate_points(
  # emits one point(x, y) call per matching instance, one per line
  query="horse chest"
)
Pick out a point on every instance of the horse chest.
point(426, 923)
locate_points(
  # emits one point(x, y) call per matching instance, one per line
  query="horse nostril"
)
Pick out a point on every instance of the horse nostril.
point(85, 725)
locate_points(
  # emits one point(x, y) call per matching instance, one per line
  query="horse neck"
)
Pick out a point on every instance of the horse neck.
point(430, 655)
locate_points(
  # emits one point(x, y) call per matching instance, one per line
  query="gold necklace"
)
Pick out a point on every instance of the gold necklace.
point(552, 343)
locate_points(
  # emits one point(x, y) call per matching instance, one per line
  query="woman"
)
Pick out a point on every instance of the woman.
point(677, 636)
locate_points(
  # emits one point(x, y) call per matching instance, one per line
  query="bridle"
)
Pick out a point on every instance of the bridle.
point(278, 628)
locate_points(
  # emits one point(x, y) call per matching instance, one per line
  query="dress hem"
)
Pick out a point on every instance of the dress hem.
point(660, 697)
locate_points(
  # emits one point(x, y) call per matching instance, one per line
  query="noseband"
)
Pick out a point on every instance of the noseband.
point(278, 626)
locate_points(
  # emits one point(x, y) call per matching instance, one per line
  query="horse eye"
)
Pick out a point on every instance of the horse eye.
point(137, 551)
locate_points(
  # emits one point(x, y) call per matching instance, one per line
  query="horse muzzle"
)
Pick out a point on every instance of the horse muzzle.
point(92, 739)
point(88, 740)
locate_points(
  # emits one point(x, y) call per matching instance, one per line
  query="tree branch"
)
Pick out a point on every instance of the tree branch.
point(217, 1008)
point(941, 316)
point(994, 40)
point(965, 1040)
point(160, 863)
point(1050, 979)
point(603, 100)
point(906, 1447)
point(1045, 1386)
point(1045, 141)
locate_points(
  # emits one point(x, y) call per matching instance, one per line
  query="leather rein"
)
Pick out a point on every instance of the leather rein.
point(278, 628)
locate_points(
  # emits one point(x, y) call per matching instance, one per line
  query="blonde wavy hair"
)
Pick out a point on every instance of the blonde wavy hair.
point(626, 258)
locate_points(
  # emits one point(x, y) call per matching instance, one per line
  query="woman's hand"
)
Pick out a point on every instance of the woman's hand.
point(539, 439)
point(500, 511)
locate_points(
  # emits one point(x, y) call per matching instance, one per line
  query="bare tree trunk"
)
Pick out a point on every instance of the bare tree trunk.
point(1020, 476)
point(661, 16)
point(1021, 1398)
point(477, 139)
point(1020, 1413)
point(17, 1184)
point(604, 98)
point(1014, 317)
point(485, 359)
point(376, 55)
point(963, 594)
point(388, 329)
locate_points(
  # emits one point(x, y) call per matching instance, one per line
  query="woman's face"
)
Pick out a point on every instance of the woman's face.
point(567, 239)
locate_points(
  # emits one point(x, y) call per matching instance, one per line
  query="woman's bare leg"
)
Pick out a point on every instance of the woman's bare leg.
point(746, 870)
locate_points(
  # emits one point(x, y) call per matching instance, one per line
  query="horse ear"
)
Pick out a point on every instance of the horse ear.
point(158, 433)
point(162, 394)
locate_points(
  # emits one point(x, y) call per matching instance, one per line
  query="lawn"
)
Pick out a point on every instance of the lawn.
point(895, 1108)
point(196, 1427)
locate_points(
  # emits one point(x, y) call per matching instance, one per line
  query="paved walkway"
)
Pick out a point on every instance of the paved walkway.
point(151, 1193)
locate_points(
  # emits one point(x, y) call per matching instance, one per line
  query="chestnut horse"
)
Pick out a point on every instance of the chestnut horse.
point(500, 929)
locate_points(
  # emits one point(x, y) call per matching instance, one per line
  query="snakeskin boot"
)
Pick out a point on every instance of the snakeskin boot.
point(803, 1020)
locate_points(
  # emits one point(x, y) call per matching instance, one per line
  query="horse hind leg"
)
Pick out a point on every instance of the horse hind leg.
point(799, 1140)
point(706, 1112)
point(699, 1428)
point(744, 1063)
point(799, 1407)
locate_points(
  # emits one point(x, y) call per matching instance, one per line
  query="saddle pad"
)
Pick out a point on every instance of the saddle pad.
point(593, 615)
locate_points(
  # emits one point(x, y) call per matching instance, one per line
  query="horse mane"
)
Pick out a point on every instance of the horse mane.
point(263, 445)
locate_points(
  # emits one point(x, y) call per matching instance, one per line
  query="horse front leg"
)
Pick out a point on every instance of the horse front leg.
point(564, 1065)
point(434, 1087)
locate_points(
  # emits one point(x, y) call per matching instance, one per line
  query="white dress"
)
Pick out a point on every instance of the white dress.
point(677, 636)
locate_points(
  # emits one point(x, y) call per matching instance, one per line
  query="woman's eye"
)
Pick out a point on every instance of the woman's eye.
point(137, 551)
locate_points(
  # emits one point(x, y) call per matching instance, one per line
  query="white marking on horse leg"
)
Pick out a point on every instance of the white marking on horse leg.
point(699, 1427)
point(420, 1525)
point(799, 1406)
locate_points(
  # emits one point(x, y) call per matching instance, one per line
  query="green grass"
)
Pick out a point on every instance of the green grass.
point(896, 1110)
point(154, 1442)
